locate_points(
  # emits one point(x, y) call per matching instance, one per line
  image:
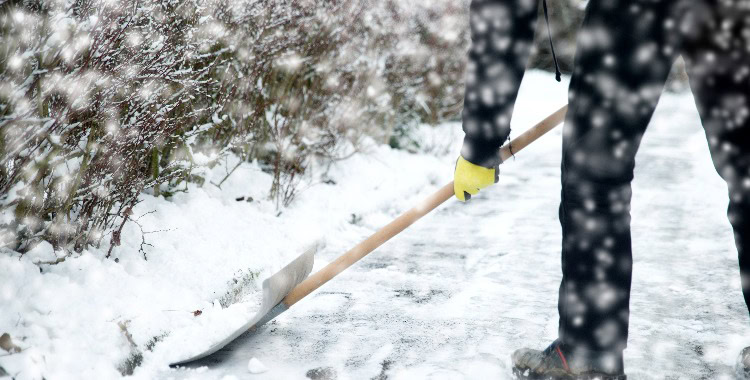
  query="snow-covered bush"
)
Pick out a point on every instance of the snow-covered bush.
point(414, 54)
point(94, 95)
point(101, 100)
point(279, 99)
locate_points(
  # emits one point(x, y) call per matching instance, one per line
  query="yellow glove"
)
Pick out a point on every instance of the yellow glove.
point(469, 178)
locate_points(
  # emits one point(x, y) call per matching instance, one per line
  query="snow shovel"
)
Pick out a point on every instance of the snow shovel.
point(291, 284)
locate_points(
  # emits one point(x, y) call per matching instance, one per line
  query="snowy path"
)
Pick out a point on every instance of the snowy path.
point(459, 291)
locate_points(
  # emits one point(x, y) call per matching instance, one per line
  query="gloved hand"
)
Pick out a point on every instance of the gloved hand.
point(469, 178)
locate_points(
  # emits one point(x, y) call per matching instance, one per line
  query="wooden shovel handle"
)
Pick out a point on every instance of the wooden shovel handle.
point(406, 219)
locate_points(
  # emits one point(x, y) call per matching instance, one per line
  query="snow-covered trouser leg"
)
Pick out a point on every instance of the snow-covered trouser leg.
point(625, 51)
point(717, 54)
point(502, 33)
point(620, 69)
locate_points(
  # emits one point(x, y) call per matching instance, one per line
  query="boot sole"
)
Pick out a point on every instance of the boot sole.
point(526, 374)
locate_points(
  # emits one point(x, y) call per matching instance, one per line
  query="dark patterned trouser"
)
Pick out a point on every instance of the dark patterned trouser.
point(502, 34)
point(625, 51)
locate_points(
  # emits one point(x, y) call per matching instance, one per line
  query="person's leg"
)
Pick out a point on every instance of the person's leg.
point(621, 65)
point(623, 57)
point(502, 33)
point(718, 63)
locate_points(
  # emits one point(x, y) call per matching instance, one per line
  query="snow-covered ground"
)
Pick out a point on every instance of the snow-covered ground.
point(451, 297)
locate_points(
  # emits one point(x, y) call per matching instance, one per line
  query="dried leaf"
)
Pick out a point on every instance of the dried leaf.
point(7, 344)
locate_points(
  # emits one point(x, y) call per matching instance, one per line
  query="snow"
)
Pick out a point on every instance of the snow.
point(451, 297)
point(255, 366)
point(77, 319)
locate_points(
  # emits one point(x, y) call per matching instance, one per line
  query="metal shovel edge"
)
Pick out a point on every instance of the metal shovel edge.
point(275, 288)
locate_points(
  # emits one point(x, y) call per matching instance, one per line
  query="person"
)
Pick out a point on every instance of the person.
point(625, 50)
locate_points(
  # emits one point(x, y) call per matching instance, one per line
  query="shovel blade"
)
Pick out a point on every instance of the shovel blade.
point(275, 288)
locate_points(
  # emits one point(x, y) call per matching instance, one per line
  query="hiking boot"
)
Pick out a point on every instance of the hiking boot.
point(743, 364)
point(559, 362)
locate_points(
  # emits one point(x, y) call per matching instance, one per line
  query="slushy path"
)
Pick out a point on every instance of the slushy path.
point(457, 293)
